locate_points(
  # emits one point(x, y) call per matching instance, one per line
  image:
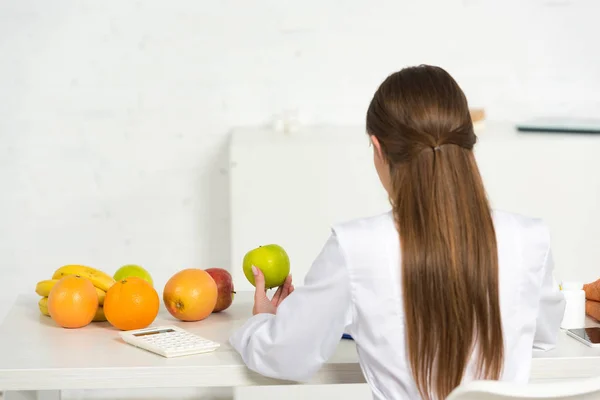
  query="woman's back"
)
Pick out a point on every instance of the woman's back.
point(438, 290)
point(530, 301)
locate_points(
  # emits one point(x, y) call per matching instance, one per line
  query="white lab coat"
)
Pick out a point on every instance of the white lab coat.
point(354, 287)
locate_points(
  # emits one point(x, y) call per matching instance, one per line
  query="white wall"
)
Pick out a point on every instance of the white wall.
point(114, 116)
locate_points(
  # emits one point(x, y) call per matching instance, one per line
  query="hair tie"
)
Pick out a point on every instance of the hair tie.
point(436, 148)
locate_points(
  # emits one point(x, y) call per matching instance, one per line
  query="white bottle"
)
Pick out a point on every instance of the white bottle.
point(574, 316)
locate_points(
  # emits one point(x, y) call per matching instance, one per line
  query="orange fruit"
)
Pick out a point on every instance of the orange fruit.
point(190, 294)
point(131, 303)
point(72, 302)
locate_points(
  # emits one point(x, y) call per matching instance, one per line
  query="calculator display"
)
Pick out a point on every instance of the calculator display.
point(153, 332)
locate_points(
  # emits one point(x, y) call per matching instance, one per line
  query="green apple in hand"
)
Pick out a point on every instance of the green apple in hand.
point(272, 260)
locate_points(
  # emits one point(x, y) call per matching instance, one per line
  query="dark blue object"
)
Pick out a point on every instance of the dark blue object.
point(346, 336)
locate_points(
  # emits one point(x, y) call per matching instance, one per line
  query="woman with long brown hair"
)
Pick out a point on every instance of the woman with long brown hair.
point(441, 289)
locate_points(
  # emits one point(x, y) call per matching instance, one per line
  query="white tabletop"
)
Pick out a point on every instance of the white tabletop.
point(569, 359)
point(35, 354)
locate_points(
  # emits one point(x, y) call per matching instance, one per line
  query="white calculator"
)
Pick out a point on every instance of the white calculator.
point(169, 341)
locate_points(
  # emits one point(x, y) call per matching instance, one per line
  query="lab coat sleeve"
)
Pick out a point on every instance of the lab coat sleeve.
point(551, 308)
point(303, 335)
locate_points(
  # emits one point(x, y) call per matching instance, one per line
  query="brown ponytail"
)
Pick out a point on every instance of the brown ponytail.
point(449, 256)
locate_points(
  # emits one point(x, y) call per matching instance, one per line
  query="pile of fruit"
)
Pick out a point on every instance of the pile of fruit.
point(86, 288)
point(77, 295)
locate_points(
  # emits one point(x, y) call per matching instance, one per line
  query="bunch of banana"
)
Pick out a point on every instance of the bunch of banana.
point(43, 289)
point(43, 304)
point(101, 281)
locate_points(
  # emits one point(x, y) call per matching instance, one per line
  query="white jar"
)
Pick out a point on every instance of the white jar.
point(574, 316)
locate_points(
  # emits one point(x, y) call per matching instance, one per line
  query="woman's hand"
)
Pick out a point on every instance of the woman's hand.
point(262, 304)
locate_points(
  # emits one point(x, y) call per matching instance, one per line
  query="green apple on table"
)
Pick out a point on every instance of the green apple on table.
point(133, 270)
point(272, 260)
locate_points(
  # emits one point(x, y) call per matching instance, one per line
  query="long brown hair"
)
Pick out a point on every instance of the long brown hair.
point(421, 119)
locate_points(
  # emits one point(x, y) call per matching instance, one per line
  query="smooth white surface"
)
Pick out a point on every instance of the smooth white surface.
point(588, 389)
point(569, 360)
point(33, 395)
point(200, 393)
point(37, 354)
point(574, 315)
point(290, 189)
point(304, 392)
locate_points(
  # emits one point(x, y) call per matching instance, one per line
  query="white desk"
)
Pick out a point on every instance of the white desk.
point(568, 360)
point(36, 354)
point(38, 359)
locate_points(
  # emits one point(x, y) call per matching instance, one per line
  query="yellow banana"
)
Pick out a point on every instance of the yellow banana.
point(100, 279)
point(99, 317)
point(43, 304)
point(101, 296)
point(43, 287)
